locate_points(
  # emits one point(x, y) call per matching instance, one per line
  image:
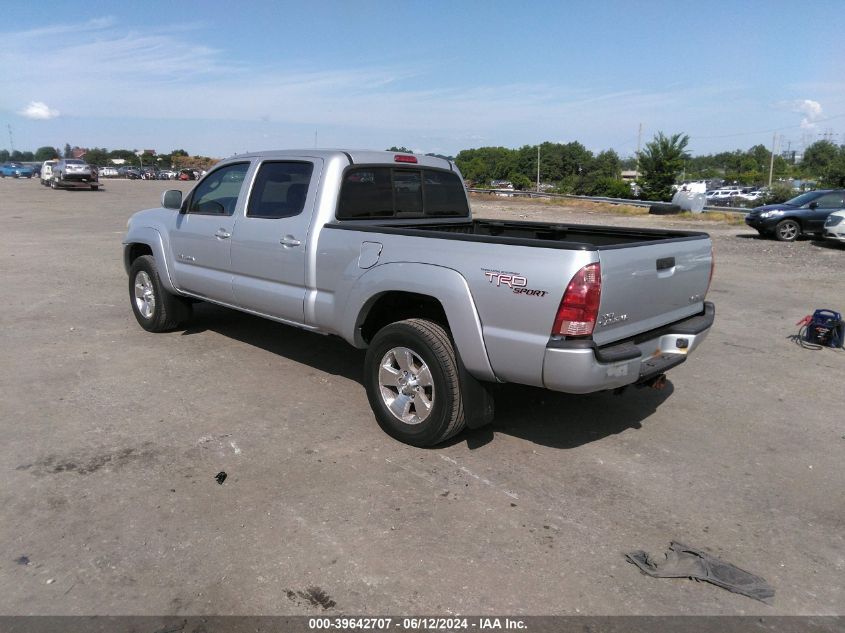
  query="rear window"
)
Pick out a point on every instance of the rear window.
point(392, 192)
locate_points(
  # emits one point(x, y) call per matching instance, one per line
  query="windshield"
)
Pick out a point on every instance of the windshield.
point(804, 198)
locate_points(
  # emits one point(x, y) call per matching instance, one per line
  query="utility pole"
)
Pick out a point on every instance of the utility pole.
point(639, 142)
point(315, 139)
point(538, 168)
point(772, 161)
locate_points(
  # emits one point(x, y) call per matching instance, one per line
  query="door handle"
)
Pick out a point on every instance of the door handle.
point(289, 240)
point(222, 234)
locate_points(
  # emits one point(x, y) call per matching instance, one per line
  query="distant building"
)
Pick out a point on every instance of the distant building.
point(78, 152)
point(629, 175)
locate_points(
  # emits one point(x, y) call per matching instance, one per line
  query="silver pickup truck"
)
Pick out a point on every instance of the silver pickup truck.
point(380, 249)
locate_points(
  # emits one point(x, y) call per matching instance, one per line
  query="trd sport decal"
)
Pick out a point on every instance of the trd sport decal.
point(517, 283)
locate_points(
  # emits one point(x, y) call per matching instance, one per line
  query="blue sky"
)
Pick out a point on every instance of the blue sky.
point(218, 78)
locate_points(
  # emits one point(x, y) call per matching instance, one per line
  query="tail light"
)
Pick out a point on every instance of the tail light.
point(576, 315)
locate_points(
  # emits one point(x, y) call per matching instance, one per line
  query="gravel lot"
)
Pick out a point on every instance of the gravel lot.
point(113, 436)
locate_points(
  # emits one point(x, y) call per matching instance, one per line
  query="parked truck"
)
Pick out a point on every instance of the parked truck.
point(381, 250)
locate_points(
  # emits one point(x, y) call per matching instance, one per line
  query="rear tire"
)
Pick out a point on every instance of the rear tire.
point(155, 309)
point(787, 231)
point(413, 383)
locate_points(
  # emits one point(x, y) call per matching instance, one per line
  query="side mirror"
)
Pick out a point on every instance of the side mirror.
point(813, 205)
point(171, 199)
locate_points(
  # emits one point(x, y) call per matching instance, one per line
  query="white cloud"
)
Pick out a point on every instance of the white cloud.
point(39, 110)
point(812, 111)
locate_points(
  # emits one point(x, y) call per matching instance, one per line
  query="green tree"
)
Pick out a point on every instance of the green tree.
point(612, 188)
point(46, 153)
point(660, 163)
point(125, 154)
point(68, 151)
point(402, 149)
point(817, 160)
point(519, 181)
point(97, 156)
point(4, 155)
point(780, 192)
point(835, 176)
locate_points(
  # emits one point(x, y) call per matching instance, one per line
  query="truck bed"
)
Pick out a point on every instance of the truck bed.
point(537, 234)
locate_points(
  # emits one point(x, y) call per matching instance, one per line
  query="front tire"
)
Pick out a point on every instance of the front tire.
point(787, 231)
point(155, 309)
point(413, 383)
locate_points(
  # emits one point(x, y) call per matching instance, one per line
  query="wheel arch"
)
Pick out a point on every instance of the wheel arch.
point(148, 241)
point(398, 291)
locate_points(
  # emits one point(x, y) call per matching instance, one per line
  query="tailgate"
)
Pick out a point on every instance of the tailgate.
point(651, 285)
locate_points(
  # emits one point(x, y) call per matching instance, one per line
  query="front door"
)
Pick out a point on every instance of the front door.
point(201, 239)
point(269, 241)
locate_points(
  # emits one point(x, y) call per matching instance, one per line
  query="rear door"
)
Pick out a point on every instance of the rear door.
point(647, 286)
point(826, 204)
point(201, 238)
point(269, 243)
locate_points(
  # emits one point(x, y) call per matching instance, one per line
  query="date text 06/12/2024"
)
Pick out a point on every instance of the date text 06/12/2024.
point(415, 623)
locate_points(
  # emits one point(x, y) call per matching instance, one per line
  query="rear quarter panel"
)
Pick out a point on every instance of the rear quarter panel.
point(515, 325)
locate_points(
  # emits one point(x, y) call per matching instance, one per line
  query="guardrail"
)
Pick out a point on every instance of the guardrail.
point(615, 201)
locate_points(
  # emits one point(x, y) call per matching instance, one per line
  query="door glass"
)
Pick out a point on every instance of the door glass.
point(280, 190)
point(830, 201)
point(218, 193)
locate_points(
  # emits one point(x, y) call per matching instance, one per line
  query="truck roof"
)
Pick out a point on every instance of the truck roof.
point(357, 156)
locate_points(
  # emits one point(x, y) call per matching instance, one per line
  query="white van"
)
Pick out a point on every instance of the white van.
point(47, 171)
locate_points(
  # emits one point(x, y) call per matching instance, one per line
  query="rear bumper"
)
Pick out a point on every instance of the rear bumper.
point(580, 366)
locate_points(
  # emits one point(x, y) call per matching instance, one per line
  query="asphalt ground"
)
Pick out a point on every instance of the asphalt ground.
point(112, 438)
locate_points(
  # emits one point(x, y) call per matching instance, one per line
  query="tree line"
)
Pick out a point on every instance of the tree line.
point(100, 156)
point(566, 167)
point(572, 168)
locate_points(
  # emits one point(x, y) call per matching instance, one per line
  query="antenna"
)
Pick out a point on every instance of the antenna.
point(11, 142)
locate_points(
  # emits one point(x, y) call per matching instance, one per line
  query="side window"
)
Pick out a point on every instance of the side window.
point(280, 190)
point(831, 201)
point(218, 193)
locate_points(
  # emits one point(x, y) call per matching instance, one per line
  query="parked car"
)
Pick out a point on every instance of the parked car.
point(754, 194)
point(73, 173)
point(328, 241)
point(725, 197)
point(834, 226)
point(109, 172)
point(803, 215)
point(15, 170)
point(187, 174)
point(132, 173)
